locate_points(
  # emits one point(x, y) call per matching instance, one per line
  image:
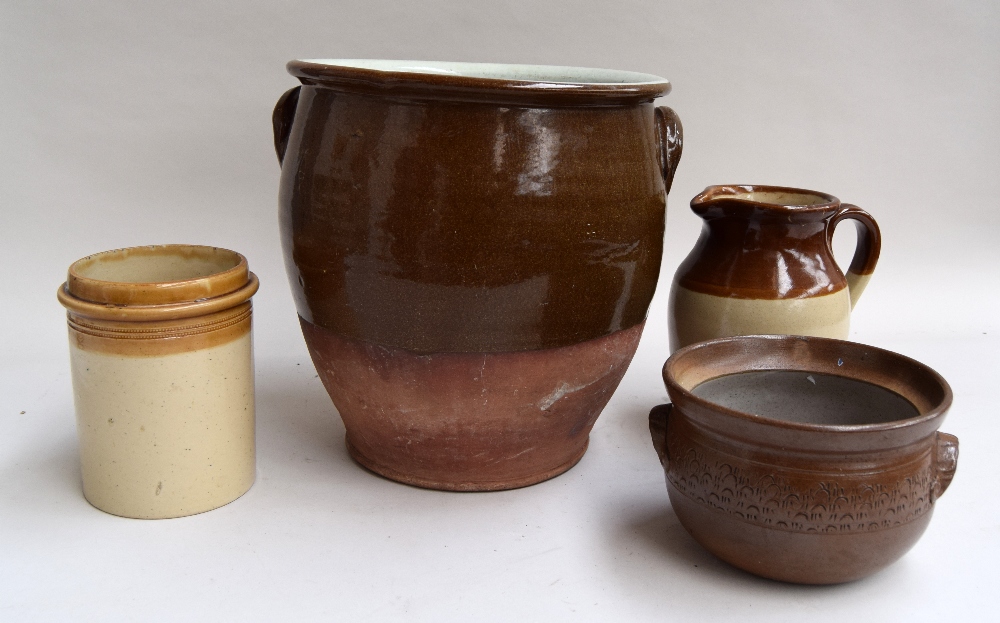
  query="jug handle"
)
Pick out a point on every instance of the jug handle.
point(281, 120)
point(867, 251)
point(658, 417)
point(670, 140)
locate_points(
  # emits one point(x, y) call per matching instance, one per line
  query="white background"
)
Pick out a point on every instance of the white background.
point(137, 123)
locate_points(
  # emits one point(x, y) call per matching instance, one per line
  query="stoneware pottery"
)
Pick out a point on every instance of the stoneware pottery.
point(763, 264)
point(472, 249)
point(803, 459)
point(161, 356)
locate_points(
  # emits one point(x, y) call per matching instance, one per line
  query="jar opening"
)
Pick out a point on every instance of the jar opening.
point(158, 275)
point(156, 264)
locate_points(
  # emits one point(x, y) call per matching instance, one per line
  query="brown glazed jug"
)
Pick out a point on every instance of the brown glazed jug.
point(764, 265)
point(472, 249)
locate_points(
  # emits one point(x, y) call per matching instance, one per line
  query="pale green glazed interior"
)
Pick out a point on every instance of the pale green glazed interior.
point(497, 71)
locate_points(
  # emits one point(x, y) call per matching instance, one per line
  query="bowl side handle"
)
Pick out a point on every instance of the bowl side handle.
point(658, 417)
point(945, 463)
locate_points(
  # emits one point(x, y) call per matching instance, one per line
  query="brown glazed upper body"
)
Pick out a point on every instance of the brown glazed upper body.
point(472, 213)
point(804, 499)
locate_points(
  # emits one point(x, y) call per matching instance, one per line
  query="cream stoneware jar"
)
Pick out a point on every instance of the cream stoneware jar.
point(163, 378)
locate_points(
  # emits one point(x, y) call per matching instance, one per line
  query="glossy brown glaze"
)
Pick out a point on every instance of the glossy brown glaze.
point(469, 421)
point(771, 242)
point(803, 502)
point(414, 220)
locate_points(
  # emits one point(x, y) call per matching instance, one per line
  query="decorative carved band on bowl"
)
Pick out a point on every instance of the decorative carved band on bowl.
point(831, 502)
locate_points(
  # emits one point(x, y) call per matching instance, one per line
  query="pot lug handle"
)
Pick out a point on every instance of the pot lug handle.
point(281, 120)
point(658, 417)
point(670, 140)
point(945, 463)
point(867, 252)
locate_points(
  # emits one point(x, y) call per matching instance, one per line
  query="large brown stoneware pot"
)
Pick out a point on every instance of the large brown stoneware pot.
point(472, 249)
point(803, 459)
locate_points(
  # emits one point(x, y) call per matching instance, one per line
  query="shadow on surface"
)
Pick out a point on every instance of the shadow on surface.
point(46, 478)
point(636, 427)
point(657, 530)
point(297, 424)
point(672, 558)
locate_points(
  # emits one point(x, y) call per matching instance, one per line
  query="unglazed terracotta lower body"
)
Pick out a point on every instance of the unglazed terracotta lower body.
point(469, 421)
point(167, 435)
point(696, 317)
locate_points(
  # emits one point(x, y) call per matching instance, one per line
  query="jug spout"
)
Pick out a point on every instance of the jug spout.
point(789, 204)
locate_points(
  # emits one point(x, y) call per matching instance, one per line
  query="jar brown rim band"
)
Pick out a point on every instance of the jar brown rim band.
point(172, 311)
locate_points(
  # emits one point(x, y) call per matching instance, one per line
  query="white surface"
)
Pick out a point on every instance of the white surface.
point(139, 124)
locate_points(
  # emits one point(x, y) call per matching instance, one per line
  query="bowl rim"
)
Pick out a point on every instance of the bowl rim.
point(672, 385)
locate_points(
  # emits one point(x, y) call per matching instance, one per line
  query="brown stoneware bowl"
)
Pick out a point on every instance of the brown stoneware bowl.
point(803, 459)
point(472, 249)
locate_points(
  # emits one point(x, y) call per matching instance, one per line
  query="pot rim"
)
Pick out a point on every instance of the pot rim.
point(774, 342)
point(89, 293)
point(493, 82)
